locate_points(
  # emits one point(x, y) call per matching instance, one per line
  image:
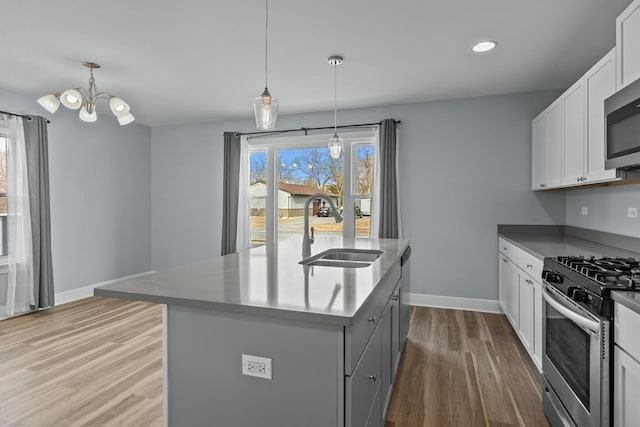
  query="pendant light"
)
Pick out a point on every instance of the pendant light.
point(85, 100)
point(335, 142)
point(265, 106)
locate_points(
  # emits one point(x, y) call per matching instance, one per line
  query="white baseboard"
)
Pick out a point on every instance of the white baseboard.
point(470, 304)
point(64, 297)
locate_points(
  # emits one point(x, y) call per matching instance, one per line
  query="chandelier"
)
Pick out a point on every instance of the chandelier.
point(85, 100)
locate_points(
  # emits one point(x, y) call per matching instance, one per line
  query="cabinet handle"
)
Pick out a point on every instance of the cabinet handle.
point(543, 185)
point(373, 378)
point(395, 297)
point(579, 179)
point(504, 260)
point(505, 249)
point(372, 319)
point(529, 281)
point(529, 266)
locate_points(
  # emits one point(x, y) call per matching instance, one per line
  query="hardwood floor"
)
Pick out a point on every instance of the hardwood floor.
point(98, 362)
point(93, 362)
point(464, 368)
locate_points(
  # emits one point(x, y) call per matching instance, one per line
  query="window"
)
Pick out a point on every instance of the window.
point(3, 196)
point(285, 171)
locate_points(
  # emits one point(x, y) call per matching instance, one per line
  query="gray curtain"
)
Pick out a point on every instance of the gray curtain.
point(389, 215)
point(230, 192)
point(37, 149)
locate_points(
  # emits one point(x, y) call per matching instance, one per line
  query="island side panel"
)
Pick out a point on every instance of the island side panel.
point(204, 371)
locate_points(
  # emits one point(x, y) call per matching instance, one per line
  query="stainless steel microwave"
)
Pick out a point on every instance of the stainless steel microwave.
point(622, 111)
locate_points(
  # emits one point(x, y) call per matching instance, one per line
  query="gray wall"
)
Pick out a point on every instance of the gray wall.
point(607, 208)
point(100, 195)
point(465, 166)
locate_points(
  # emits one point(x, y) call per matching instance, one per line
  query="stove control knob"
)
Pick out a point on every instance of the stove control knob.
point(580, 296)
point(551, 276)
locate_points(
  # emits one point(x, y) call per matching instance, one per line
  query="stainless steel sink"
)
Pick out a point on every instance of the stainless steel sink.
point(345, 258)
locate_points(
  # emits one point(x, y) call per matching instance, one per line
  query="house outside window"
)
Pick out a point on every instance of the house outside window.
point(285, 171)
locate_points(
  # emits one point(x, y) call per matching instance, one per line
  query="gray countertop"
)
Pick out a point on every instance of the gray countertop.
point(551, 243)
point(269, 281)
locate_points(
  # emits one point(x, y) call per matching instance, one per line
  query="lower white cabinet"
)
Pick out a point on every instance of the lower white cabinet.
point(626, 367)
point(520, 296)
point(526, 311)
point(626, 380)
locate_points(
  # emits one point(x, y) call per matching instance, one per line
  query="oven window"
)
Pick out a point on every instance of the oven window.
point(623, 127)
point(568, 348)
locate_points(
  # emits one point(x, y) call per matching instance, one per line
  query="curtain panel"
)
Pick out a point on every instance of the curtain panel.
point(230, 192)
point(30, 271)
point(387, 183)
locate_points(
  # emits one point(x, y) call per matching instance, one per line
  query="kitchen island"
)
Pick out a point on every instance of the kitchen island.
point(329, 338)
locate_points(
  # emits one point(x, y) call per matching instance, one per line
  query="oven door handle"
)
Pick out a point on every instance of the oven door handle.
point(582, 321)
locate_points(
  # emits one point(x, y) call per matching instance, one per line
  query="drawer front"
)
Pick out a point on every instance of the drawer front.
point(530, 265)
point(362, 387)
point(358, 334)
point(508, 249)
point(627, 324)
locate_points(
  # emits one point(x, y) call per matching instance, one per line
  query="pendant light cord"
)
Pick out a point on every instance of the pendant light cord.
point(335, 98)
point(266, 44)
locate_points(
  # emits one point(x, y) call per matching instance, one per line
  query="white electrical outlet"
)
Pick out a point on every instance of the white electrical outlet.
point(585, 210)
point(632, 212)
point(256, 366)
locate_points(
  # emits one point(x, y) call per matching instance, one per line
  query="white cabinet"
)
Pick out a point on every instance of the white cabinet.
point(520, 296)
point(626, 368)
point(538, 136)
point(628, 45)
point(546, 148)
point(568, 138)
point(573, 111)
point(537, 324)
point(526, 311)
point(599, 84)
point(626, 383)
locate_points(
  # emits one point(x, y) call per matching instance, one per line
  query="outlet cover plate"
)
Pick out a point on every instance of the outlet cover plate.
point(585, 210)
point(256, 366)
point(632, 212)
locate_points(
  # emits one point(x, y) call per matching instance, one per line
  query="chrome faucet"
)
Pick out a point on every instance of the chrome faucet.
point(307, 240)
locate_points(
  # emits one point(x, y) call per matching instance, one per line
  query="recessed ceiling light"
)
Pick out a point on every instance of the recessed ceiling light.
point(484, 46)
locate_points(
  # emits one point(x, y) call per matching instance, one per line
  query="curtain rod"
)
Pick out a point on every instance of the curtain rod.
point(30, 118)
point(306, 130)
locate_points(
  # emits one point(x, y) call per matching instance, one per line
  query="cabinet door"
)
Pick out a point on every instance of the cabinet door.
point(628, 45)
point(538, 146)
point(573, 110)
point(503, 278)
point(362, 388)
point(537, 324)
point(600, 83)
point(526, 312)
point(388, 351)
point(553, 145)
point(626, 382)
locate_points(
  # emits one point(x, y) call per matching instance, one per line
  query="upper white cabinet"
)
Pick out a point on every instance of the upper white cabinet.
point(599, 84)
point(628, 45)
point(568, 138)
point(546, 146)
point(573, 111)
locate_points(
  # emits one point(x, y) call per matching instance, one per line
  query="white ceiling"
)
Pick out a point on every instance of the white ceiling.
point(195, 60)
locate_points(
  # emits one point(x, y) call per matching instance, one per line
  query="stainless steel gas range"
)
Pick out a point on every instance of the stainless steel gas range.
point(577, 342)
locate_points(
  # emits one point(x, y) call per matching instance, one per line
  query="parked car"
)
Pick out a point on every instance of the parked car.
point(325, 211)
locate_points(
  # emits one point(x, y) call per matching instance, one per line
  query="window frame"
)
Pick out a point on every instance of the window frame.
point(272, 144)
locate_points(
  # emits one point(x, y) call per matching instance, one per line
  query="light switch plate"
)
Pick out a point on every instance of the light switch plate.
point(256, 366)
point(585, 210)
point(632, 212)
